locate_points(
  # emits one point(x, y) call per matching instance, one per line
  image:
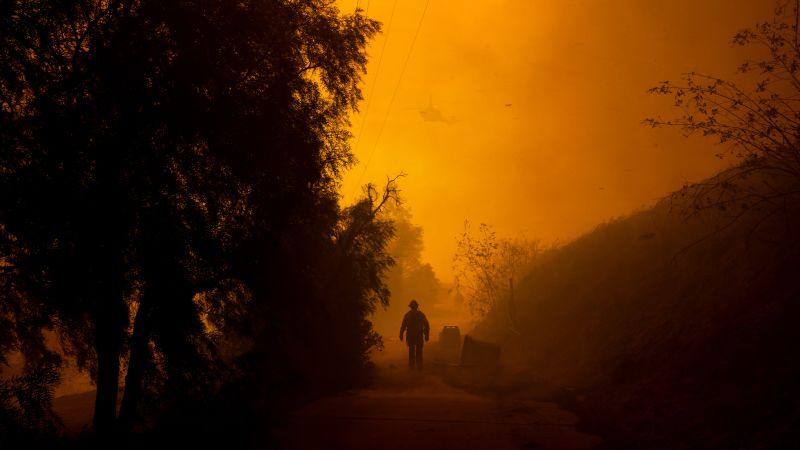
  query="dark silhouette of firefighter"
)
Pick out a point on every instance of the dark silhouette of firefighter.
point(416, 327)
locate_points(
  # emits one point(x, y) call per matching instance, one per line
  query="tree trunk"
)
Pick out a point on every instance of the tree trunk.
point(108, 344)
point(110, 323)
point(136, 368)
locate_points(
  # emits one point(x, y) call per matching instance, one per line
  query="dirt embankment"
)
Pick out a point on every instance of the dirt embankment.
point(670, 331)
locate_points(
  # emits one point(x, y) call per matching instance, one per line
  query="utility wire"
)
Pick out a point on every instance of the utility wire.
point(394, 93)
point(375, 79)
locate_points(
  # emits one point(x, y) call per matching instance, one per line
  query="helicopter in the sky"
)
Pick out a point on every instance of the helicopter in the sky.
point(433, 114)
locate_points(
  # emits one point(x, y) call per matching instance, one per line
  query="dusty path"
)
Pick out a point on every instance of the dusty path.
point(407, 410)
point(420, 411)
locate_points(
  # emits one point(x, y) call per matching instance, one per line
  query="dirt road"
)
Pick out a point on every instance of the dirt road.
point(406, 410)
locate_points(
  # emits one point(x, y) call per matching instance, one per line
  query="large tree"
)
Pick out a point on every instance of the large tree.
point(164, 162)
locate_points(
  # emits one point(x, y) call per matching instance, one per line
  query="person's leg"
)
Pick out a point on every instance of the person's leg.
point(419, 356)
point(411, 355)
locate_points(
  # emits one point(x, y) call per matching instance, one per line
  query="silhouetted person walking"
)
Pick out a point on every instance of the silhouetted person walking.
point(415, 326)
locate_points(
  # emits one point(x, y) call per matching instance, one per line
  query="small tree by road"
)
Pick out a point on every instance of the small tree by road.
point(485, 266)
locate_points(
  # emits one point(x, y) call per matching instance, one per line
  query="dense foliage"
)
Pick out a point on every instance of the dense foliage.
point(169, 208)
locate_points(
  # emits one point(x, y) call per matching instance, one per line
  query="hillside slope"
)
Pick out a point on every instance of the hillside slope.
point(669, 331)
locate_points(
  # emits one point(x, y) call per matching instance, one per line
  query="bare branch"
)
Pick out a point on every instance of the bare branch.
point(760, 125)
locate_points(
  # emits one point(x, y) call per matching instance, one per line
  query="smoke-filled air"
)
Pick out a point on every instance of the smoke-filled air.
point(419, 224)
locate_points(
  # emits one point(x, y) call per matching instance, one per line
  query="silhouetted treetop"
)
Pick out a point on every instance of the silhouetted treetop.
point(163, 164)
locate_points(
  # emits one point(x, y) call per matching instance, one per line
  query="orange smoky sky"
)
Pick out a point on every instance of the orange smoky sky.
point(526, 114)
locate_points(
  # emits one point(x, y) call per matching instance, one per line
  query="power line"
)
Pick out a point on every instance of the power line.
point(375, 79)
point(394, 93)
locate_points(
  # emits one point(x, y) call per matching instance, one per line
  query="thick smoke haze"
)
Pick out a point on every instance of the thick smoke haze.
point(527, 114)
point(399, 224)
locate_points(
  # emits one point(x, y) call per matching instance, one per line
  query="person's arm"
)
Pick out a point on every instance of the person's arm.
point(403, 327)
point(426, 327)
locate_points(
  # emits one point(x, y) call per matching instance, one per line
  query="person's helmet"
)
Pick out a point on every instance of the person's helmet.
point(413, 304)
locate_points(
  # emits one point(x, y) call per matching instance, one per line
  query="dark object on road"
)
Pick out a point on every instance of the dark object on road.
point(478, 353)
point(450, 337)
